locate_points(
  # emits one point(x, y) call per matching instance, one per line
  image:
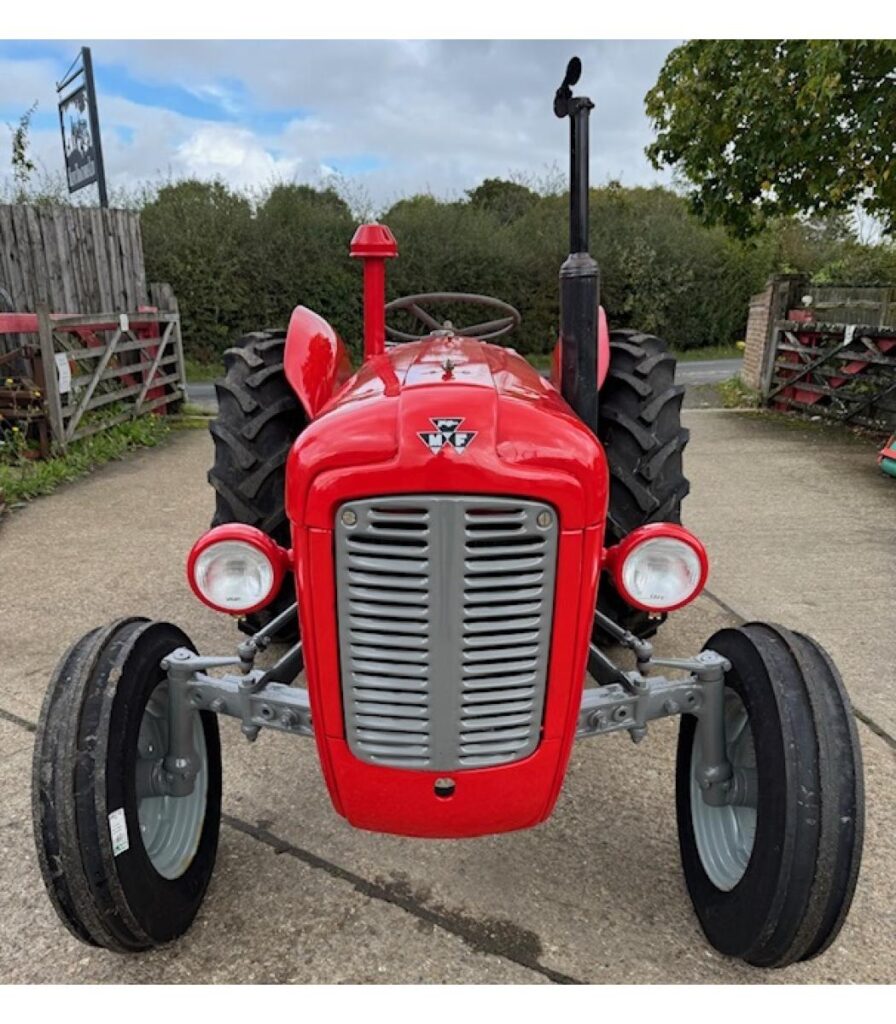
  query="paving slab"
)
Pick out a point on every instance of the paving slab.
point(800, 525)
point(268, 918)
point(595, 894)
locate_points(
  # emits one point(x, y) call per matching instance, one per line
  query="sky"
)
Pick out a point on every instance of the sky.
point(391, 118)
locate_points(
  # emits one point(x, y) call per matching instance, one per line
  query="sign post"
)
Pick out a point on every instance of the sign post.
point(80, 126)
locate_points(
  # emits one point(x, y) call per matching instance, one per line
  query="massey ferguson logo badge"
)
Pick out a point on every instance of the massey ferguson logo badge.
point(446, 433)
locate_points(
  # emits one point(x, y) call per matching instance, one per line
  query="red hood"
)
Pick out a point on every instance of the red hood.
point(527, 439)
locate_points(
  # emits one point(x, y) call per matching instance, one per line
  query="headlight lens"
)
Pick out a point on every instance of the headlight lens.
point(234, 575)
point(659, 567)
point(236, 568)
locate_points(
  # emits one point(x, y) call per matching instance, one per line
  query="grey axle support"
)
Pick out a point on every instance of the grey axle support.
point(630, 700)
point(626, 701)
point(257, 697)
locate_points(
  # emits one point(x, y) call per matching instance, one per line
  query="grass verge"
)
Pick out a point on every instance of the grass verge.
point(22, 479)
point(200, 373)
point(736, 395)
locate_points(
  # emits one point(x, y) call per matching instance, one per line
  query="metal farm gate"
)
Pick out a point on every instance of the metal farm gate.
point(843, 372)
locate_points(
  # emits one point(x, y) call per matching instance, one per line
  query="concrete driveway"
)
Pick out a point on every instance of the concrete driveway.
point(799, 525)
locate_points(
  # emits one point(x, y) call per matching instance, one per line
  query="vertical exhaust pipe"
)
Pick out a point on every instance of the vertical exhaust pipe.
point(579, 275)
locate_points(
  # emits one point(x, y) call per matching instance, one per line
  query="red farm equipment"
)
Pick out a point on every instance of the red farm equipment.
point(448, 542)
point(887, 457)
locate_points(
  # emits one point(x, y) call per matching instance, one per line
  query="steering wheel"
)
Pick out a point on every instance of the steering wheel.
point(413, 304)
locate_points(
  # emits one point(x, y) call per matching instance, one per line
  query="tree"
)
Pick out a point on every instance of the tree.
point(300, 255)
point(508, 200)
point(22, 164)
point(763, 128)
point(196, 236)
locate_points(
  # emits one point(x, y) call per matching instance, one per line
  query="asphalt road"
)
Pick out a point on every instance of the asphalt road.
point(799, 525)
point(709, 371)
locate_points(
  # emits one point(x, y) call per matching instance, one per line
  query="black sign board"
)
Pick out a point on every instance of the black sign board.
point(77, 140)
point(81, 129)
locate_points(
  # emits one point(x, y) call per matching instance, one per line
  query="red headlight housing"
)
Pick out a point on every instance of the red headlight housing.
point(658, 567)
point(236, 568)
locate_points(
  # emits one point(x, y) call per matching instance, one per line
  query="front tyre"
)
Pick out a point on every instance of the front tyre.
point(772, 875)
point(122, 872)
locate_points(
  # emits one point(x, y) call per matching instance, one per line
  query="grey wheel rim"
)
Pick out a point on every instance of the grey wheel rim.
point(725, 835)
point(170, 826)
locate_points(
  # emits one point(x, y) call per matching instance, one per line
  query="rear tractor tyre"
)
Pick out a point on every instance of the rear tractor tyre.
point(259, 418)
point(123, 872)
point(772, 876)
point(639, 425)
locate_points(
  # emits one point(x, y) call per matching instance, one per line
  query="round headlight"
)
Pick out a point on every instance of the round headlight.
point(236, 568)
point(234, 575)
point(660, 568)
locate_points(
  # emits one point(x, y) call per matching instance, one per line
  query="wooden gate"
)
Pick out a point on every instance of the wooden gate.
point(93, 372)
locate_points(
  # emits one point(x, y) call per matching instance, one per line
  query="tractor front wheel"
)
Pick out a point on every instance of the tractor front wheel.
point(771, 873)
point(125, 869)
point(639, 425)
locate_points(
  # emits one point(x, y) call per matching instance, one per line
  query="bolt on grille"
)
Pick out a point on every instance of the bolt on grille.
point(445, 605)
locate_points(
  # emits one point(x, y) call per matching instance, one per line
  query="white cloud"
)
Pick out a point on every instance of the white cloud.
point(234, 154)
point(430, 115)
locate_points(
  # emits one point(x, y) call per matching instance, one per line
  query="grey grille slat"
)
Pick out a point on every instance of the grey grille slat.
point(445, 606)
point(505, 566)
point(494, 582)
point(409, 627)
point(500, 611)
point(488, 683)
point(395, 582)
point(386, 610)
point(382, 596)
point(495, 627)
point(388, 682)
point(486, 710)
point(498, 640)
point(490, 653)
point(400, 641)
point(471, 699)
point(389, 710)
point(379, 561)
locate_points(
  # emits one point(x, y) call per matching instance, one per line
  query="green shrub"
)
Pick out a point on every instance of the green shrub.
point(241, 263)
point(197, 237)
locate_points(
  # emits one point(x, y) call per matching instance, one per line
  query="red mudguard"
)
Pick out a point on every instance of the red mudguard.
point(603, 352)
point(315, 361)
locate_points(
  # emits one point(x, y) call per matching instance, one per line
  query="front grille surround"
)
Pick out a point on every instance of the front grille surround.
point(445, 608)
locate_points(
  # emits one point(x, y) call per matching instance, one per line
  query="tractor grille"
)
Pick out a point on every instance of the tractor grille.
point(445, 605)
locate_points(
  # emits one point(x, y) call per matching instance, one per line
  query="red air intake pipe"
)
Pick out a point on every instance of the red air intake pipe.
point(374, 243)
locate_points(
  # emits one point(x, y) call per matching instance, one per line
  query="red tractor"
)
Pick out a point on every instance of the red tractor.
point(456, 539)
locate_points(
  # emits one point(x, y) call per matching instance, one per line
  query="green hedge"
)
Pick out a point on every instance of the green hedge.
point(238, 263)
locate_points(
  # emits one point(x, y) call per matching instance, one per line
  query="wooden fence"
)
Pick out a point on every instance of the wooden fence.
point(840, 304)
point(71, 258)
